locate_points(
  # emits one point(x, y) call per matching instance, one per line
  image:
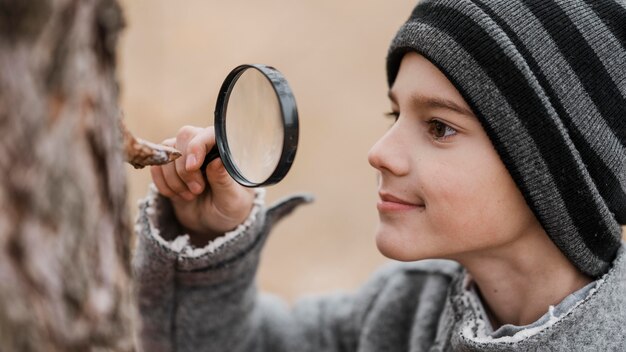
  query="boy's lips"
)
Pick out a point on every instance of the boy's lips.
point(389, 202)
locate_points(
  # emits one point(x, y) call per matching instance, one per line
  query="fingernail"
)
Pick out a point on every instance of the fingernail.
point(195, 187)
point(191, 161)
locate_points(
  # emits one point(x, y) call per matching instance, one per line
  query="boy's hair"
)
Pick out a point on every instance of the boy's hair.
point(547, 80)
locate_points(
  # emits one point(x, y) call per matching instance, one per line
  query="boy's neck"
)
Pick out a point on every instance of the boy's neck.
point(519, 281)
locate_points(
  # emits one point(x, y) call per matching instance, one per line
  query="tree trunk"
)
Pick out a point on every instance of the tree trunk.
point(64, 224)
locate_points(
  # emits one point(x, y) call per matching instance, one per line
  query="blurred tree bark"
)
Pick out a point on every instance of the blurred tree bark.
point(64, 224)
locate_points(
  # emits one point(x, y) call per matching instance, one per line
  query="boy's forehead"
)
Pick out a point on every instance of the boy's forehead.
point(426, 86)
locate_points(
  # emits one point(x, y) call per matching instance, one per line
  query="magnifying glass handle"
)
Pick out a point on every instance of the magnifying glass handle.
point(211, 155)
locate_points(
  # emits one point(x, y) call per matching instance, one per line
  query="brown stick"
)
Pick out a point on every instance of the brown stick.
point(140, 153)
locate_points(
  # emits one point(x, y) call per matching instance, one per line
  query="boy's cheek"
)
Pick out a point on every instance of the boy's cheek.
point(463, 210)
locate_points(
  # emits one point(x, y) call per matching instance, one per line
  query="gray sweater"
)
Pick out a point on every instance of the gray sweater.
point(205, 299)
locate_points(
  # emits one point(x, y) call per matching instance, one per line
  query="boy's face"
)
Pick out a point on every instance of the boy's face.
point(437, 158)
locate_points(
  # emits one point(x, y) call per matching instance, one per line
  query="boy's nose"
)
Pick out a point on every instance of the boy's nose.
point(389, 154)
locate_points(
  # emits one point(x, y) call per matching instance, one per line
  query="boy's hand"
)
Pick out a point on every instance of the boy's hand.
point(207, 208)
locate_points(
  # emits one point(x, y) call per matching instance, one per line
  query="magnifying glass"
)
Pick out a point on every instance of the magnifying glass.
point(256, 126)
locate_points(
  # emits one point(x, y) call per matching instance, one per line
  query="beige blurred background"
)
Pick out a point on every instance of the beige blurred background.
point(174, 57)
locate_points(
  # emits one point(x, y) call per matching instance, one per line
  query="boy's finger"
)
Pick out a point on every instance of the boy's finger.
point(157, 173)
point(193, 180)
point(159, 181)
point(175, 183)
point(198, 147)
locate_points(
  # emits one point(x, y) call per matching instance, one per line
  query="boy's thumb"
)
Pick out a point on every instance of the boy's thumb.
point(220, 181)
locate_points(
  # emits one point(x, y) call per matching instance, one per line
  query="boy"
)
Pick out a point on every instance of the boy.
point(506, 163)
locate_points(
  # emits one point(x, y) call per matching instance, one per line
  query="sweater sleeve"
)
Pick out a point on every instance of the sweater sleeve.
point(205, 299)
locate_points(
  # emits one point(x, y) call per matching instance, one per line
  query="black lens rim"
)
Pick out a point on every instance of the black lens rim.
point(289, 113)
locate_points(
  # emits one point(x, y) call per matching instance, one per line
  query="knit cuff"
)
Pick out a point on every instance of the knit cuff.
point(234, 254)
point(163, 227)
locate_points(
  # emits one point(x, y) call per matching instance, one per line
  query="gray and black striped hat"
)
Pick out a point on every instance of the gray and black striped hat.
point(547, 80)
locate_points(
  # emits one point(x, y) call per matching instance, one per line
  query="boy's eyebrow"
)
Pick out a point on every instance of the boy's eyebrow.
point(435, 103)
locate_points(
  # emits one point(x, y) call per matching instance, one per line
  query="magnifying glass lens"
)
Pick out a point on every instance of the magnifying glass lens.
point(254, 126)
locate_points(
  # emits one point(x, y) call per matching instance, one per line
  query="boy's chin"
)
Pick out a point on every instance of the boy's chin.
point(393, 245)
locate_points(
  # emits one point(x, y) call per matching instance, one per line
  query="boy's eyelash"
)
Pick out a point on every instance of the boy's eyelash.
point(393, 114)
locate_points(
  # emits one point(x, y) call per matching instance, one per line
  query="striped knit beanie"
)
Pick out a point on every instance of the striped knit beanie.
point(547, 80)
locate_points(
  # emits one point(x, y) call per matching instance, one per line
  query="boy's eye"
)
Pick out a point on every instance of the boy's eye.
point(439, 130)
